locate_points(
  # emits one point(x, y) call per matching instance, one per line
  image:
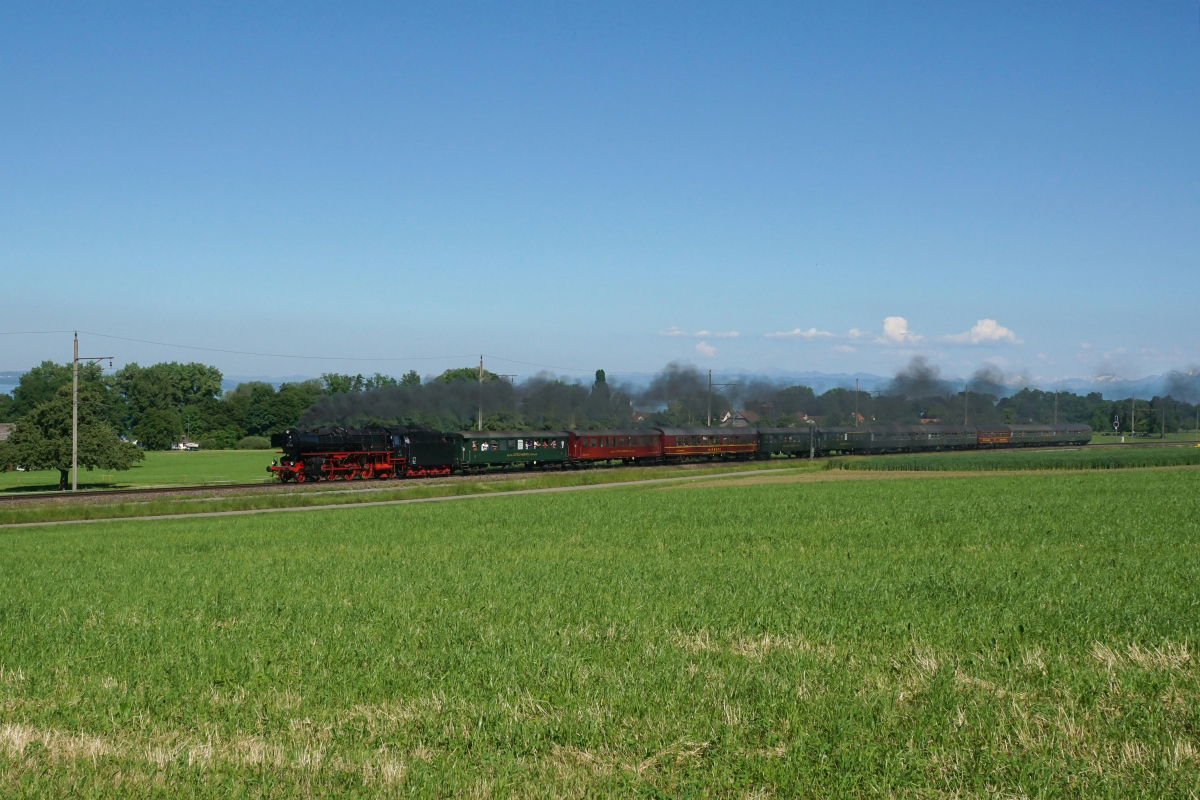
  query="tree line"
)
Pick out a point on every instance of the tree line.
point(150, 408)
point(841, 407)
point(161, 404)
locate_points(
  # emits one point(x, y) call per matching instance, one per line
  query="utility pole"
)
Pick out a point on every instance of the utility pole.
point(75, 408)
point(479, 424)
point(966, 394)
point(856, 402)
point(1056, 408)
point(710, 385)
point(1132, 416)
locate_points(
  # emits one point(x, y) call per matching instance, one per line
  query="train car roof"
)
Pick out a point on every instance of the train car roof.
point(706, 431)
point(514, 434)
point(1048, 427)
point(618, 432)
point(934, 428)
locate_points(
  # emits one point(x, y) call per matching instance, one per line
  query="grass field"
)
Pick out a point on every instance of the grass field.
point(1108, 437)
point(170, 468)
point(1084, 458)
point(61, 507)
point(1011, 635)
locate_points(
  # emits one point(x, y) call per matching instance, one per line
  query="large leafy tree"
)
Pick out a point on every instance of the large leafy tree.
point(168, 386)
point(158, 429)
point(291, 401)
point(41, 438)
point(466, 374)
point(40, 384)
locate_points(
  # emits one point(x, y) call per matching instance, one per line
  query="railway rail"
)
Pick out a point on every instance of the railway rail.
point(374, 485)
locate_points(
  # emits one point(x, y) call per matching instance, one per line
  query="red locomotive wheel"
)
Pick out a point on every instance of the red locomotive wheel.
point(300, 477)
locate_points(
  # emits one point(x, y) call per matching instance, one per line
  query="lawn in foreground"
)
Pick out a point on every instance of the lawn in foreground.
point(1015, 634)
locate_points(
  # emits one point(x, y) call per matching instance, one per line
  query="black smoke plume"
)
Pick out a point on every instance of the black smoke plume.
point(988, 380)
point(919, 379)
point(1184, 386)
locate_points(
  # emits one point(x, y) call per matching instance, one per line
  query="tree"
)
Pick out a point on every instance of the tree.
point(40, 384)
point(169, 385)
point(378, 381)
point(466, 374)
point(8, 408)
point(41, 438)
point(336, 383)
point(291, 401)
point(158, 429)
point(411, 378)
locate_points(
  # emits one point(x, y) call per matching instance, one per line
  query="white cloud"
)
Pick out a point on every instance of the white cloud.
point(705, 349)
point(674, 331)
point(845, 348)
point(895, 331)
point(800, 333)
point(986, 331)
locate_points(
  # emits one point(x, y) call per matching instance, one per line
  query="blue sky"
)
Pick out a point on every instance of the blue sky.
point(800, 186)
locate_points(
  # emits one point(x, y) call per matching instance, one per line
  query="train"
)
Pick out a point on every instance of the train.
point(335, 453)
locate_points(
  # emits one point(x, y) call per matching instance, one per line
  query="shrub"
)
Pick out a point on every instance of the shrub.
point(253, 443)
point(218, 440)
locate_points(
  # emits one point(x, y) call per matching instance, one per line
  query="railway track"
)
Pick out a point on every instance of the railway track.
point(377, 485)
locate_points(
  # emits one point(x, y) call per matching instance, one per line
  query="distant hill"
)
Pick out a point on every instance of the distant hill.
point(231, 381)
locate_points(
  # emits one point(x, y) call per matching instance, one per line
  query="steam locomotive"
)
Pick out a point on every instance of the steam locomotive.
point(336, 453)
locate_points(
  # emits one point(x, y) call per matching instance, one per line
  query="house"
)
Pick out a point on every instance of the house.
point(739, 419)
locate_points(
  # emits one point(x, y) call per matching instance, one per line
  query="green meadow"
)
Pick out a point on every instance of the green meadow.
point(1084, 458)
point(160, 468)
point(835, 634)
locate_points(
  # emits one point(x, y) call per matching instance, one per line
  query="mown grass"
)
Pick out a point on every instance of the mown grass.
point(171, 468)
point(60, 508)
point(1086, 458)
point(1006, 635)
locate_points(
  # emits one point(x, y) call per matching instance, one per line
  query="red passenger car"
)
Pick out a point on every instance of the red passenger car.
point(708, 444)
point(629, 446)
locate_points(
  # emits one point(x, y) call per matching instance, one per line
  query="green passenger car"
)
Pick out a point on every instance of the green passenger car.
point(790, 442)
point(484, 449)
point(843, 440)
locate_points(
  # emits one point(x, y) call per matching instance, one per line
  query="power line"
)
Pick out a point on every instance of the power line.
point(565, 369)
point(235, 352)
point(308, 357)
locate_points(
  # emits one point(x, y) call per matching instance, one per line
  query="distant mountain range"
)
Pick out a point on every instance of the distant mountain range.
point(1109, 386)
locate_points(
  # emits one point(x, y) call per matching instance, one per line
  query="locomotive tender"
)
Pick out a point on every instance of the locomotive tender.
point(363, 453)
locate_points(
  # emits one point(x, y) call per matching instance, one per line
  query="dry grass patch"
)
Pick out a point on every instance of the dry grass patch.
point(57, 745)
point(1172, 656)
point(755, 648)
